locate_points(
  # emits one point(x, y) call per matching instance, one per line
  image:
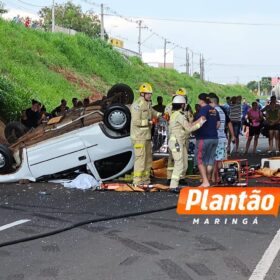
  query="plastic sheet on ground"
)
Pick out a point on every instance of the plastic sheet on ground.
point(82, 182)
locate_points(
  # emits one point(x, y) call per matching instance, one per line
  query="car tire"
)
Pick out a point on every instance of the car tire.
point(123, 94)
point(117, 117)
point(14, 130)
point(6, 159)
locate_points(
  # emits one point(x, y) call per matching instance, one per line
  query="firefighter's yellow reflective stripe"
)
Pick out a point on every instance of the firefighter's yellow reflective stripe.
point(146, 173)
point(138, 146)
point(138, 174)
point(174, 177)
point(144, 128)
point(170, 168)
point(172, 138)
point(144, 122)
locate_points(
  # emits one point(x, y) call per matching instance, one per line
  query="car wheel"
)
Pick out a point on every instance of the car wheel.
point(6, 159)
point(121, 93)
point(13, 131)
point(117, 117)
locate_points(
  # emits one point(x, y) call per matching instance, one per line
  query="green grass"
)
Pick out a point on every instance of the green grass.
point(29, 59)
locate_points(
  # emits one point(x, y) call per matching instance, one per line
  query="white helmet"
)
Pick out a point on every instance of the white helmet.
point(179, 99)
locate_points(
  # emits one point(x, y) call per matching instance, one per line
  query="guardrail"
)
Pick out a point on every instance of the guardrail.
point(127, 52)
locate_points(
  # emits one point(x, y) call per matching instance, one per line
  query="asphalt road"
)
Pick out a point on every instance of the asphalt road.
point(159, 245)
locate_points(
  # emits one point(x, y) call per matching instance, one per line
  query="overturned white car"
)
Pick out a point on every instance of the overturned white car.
point(96, 137)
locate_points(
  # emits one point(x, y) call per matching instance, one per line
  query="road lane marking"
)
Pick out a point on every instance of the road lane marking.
point(267, 259)
point(19, 222)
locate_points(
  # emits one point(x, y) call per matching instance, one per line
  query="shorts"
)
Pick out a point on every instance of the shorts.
point(221, 150)
point(273, 127)
point(236, 128)
point(244, 121)
point(254, 130)
point(205, 151)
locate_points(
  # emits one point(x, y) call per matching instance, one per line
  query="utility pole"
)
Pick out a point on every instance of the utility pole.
point(53, 18)
point(139, 36)
point(201, 63)
point(102, 22)
point(192, 64)
point(187, 62)
point(202, 68)
point(164, 53)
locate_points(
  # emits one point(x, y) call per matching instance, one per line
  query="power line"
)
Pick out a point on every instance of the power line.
point(24, 9)
point(211, 22)
point(140, 24)
point(241, 65)
point(130, 19)
point(29, 4)
point(150, 36)
point(150, 30)
point(92, 3)
point(179, 57)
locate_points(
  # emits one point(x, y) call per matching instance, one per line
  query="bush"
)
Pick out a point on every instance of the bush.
point(12, 100)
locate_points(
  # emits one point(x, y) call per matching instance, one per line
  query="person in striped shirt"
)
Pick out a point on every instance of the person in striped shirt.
point(235, 118)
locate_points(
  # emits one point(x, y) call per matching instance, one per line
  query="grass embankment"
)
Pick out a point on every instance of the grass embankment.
point(49, 67)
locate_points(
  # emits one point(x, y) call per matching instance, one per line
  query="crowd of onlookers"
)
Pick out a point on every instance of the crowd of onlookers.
point(224, 124)
point(254, 119)
point(251, 120)
point(28, 22)
point(37, 113)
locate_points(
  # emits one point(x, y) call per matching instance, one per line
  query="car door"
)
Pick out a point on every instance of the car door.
point(56, 155)
point(110, 155)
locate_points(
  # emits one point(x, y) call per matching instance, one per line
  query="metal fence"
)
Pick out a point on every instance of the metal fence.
point(127, 52)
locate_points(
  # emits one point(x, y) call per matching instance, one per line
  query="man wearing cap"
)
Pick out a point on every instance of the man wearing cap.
point(206, 139)
point(140, 132)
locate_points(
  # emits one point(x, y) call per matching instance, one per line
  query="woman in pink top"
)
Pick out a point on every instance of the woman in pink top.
point(255, 119)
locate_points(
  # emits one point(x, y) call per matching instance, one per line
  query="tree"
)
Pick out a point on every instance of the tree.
point(266, 84)
point(2, 8)
point(252, 85)
point(71, 16)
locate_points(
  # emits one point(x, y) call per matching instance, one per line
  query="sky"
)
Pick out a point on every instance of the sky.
point(238, 39)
